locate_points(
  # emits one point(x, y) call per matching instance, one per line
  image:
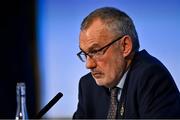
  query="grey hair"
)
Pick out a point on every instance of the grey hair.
point(116, 21)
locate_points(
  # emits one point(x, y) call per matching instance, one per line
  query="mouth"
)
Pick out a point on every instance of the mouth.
point(96, 74)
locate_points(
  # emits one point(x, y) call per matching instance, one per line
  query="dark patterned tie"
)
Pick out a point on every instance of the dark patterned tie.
point(113, 104)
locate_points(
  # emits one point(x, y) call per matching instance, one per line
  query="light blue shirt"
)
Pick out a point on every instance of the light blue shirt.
point(121, 84)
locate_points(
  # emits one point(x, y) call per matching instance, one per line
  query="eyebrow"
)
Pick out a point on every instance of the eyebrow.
point(93, 46)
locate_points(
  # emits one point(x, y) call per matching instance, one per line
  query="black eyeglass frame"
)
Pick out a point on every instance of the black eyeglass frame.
point(106, 46)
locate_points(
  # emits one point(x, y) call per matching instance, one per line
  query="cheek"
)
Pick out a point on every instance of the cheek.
point(115, 67)
point(111, 65)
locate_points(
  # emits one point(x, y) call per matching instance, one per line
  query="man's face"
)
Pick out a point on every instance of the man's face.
point(107, 70)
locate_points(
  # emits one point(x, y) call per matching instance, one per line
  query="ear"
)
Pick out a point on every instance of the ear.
point(127, 45)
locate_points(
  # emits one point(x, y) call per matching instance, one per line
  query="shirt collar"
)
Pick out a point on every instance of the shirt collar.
point(121, 83)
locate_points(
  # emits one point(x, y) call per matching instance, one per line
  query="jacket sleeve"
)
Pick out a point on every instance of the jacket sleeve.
point(80, 113)
point(158, 94)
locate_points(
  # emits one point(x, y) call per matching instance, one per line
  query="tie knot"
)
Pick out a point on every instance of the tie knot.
point(114, 92)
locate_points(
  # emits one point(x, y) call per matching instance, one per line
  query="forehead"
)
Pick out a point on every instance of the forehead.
point(94, 36)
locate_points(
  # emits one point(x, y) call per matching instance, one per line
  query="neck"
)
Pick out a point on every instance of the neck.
point(129, 60)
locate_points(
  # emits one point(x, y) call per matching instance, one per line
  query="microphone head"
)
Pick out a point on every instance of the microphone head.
point(58, 96)
point(49, 105)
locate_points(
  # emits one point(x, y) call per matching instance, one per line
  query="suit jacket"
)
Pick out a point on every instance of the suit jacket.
point(149, 92)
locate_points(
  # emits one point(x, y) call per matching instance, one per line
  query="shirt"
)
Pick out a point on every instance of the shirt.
point(121, 84)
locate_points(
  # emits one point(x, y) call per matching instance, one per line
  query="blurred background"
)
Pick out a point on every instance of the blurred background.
point(40, 39)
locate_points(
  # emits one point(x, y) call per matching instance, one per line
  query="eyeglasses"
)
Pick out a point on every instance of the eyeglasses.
point(96, 54)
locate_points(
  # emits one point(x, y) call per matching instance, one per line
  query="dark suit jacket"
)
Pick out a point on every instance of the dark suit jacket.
point(149, 92)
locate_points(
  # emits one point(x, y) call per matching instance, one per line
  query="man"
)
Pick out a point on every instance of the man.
point(110, 47)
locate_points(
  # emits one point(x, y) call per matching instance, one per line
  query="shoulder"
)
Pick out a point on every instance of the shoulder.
point(154, 86)
point(145, 64)
point(148, 72)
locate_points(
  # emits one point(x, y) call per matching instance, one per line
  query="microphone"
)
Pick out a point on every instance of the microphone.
point(49, 105)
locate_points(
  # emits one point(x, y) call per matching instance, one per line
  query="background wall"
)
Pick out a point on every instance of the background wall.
point(58, 23)
point(17, 55)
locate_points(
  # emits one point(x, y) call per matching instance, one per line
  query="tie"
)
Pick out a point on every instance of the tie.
point(113, 104)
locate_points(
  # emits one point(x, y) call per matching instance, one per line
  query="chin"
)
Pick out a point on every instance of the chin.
point(102, 83)
point(99, 82)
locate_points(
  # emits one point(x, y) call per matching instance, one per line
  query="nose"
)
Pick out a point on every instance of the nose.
point(90, 63)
